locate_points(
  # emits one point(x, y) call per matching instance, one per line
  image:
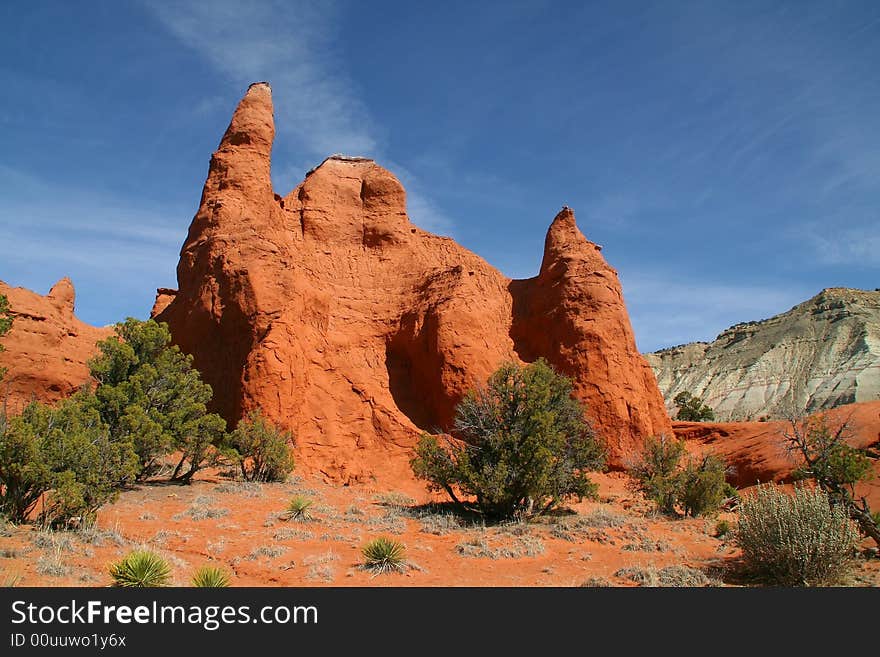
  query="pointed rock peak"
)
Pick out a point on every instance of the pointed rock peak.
point(62, 294)
point(253, 124)
point(566, 215)
point(565, 240)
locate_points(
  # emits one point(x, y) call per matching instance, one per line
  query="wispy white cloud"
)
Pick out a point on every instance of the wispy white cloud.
point(422, 210)
point(857, 246)
point(117, 247)
point(291, 45)
point(618, 210)
point(666, 310)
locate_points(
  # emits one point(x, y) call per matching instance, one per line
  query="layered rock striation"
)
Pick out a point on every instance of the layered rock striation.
point(821, 354)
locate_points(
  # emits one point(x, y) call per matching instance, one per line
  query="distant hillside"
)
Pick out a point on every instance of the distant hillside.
point(822, 353)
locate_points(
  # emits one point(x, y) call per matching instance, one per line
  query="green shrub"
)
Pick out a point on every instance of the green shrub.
point(657, 473)
point(141, 569)
point(702, 487)
point(698, 487)
point(722, 528)
point(836, 466)
point(210, 577)
point(384, 555)
point(5, 323)
point(64, 456)
point(150, 396)
point(796, 539)
point(692, 409)
point(298, 509)
point(524, 445)
point(263, 451)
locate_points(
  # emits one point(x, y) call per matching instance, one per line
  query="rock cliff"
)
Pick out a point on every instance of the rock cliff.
point(357, 330)
point(820, 354)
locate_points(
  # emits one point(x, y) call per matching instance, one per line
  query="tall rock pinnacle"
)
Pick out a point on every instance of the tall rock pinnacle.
point(573, 314)
point(355, 329)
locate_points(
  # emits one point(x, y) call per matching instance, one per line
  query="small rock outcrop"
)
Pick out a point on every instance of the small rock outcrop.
point(822, 353)
point(47, 348)
point(346, 323)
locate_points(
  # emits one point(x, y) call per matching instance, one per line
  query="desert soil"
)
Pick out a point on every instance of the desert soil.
point(616, 540)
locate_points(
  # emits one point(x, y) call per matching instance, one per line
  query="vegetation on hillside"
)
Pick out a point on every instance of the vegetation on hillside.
point(692, 409)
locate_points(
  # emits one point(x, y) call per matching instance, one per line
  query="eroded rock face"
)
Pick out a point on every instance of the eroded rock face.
point(47, 348)
point(357, 330)
point(820, 354)
point(573, 314)
point(757, 452)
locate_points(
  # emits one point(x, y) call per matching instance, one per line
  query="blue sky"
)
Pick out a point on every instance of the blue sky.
point(725, 154)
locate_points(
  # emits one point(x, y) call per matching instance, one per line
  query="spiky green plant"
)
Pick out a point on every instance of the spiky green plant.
point(298, 509)
point(141, 569)
point(210, 577)
point(384, 555)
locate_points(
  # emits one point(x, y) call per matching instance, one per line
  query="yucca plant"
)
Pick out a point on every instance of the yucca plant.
point(141, 569)
point(298, 509)
point(210, 577)
point(384, 555)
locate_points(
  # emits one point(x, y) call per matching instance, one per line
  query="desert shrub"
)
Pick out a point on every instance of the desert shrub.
point(210, 577)
point(268, 551)
point(668, 576)
point(595, 581)
point(657, 472)
point(151, 397)
point(440, 524)
point(702, 487)
point(5, 324)
point(478, 546)
point(141, 569)
point(263, 451)
point(795, 539)
point(836, 467)
point(64, 456)
point(298, 509)
point(698, 486)
point(524, 445)
point(692, 409)
point(384, 555)
point(722, 528)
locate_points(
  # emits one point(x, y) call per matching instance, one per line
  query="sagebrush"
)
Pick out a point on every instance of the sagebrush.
point(795, 539)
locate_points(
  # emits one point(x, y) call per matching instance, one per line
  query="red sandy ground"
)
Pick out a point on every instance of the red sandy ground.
point(218, 521)
point(259, 549)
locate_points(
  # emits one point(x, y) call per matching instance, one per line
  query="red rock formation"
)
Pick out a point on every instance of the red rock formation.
point(356, 329)
point(164, 296)
point(573, 314)
point(47, 348)
point(756, 451)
